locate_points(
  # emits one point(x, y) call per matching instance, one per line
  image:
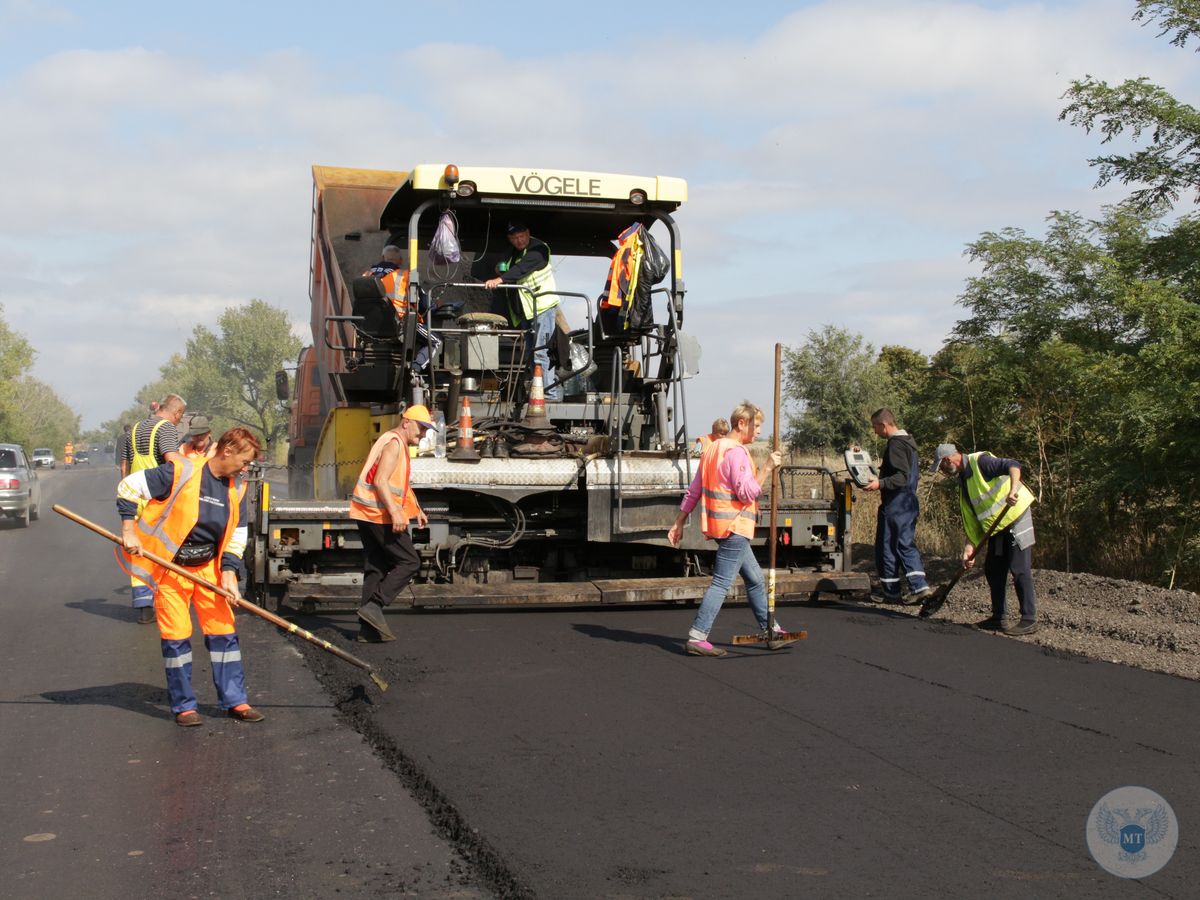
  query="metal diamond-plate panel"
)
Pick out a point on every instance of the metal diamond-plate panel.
point(640, 472)
point(555, 473)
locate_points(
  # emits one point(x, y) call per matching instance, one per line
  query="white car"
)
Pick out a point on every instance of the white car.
point(20, 492)
point(43, 458)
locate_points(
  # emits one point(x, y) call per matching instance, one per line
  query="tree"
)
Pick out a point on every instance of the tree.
point(836, 382)
point(231, 376)
point(1080, 356)
point(1170, 165)
point(906, 372)
point(16, 356)
point(44, 420)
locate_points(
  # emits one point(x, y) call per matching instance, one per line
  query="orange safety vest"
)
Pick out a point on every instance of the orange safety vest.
point(395, 287)
point(165, 524)
point(186, 449)
point(721, 512)
point(365, 504)
point(623, 273)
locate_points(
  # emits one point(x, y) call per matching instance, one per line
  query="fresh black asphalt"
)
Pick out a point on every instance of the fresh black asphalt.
point(571, 753)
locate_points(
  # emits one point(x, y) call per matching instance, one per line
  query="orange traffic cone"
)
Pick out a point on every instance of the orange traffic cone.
point(465, 451)
point(535, 412)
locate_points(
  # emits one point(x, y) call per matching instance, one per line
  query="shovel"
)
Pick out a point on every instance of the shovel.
point(937, 599)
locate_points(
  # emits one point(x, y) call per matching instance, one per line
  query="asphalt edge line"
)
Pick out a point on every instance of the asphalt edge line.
point(484, 862)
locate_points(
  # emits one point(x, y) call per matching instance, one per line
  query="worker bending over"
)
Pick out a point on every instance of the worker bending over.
point(990, 489)
point(194, 514)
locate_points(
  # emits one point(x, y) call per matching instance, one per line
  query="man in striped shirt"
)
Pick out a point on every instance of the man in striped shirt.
point(155, 437)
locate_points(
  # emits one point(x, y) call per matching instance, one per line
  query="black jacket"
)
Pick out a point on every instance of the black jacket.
point(899, 460)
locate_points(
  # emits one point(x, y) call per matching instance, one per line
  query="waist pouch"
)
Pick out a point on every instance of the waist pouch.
point(194, 555)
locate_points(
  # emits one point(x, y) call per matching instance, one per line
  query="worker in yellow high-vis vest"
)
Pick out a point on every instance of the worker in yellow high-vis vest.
point(533, 305)
point(990, 492)
point(152, 441)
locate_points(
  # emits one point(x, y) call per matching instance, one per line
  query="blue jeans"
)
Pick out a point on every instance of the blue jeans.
point(734, 556)
point(542, 333)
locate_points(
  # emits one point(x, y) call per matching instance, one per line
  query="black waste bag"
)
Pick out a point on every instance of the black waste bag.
point(639, 312)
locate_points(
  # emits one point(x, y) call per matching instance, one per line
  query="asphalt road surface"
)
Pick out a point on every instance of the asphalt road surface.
point(105, 797)
point(572, 753)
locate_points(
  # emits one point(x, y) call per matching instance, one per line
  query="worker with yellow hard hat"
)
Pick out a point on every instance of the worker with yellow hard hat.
point(383, 505)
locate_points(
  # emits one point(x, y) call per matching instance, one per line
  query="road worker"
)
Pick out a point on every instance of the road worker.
point(990, 488)
point(720, 428)
point(533, 305)
point(152, 442)
point(896, 554)
point(393, 277)
point(199, 444)
point(726, 488)
point(193, 515)
point(383, 506)
point(393, 280)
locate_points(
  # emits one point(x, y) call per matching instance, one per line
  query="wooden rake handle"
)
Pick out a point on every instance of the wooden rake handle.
point(290, 627)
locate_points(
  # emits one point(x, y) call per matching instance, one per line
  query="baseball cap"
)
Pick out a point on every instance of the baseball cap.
point(419, 414)
point(943, 451)
point(516, 225)
point(199, 426)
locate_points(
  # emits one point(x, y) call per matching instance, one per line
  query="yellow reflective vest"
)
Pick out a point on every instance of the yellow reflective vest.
point(984, 501)
point(537, 293)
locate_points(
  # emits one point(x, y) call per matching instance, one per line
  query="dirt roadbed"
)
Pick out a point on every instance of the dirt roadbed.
point(1124, 622)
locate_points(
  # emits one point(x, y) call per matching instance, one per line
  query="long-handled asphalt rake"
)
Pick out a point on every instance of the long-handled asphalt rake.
point(290, 627)
point(769, 636)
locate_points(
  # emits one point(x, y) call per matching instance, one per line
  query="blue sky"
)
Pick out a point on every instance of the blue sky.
point(839, 154)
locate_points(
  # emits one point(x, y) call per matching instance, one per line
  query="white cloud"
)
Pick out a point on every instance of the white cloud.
point(838, 163)
point(30, 13)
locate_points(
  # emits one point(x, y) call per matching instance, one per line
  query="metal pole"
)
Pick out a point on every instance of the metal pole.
point(774, 496)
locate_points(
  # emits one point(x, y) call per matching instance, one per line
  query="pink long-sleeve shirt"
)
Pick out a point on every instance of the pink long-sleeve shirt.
point(736, 475)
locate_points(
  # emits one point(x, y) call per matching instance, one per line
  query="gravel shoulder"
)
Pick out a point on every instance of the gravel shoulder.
point(1125, 622)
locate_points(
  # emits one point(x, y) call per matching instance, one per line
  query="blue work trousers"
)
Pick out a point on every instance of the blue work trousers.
point(1004, 557)
point(895, 546)
point(734, 556)
point(541, 332)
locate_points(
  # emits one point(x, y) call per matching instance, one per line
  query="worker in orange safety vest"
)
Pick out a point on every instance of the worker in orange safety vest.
point(720, 428)
point(726, 487)
point(194, 515)
point(199, 444)
point(383, 506)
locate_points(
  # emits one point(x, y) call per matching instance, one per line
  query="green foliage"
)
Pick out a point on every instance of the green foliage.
point(836, 382)
point(31, 413)
point(44, 419)
point(16, 356)
point(1181, 17)
point(1170, 164)
point(1080, 356)
point(231, 376)
point(906, 376)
